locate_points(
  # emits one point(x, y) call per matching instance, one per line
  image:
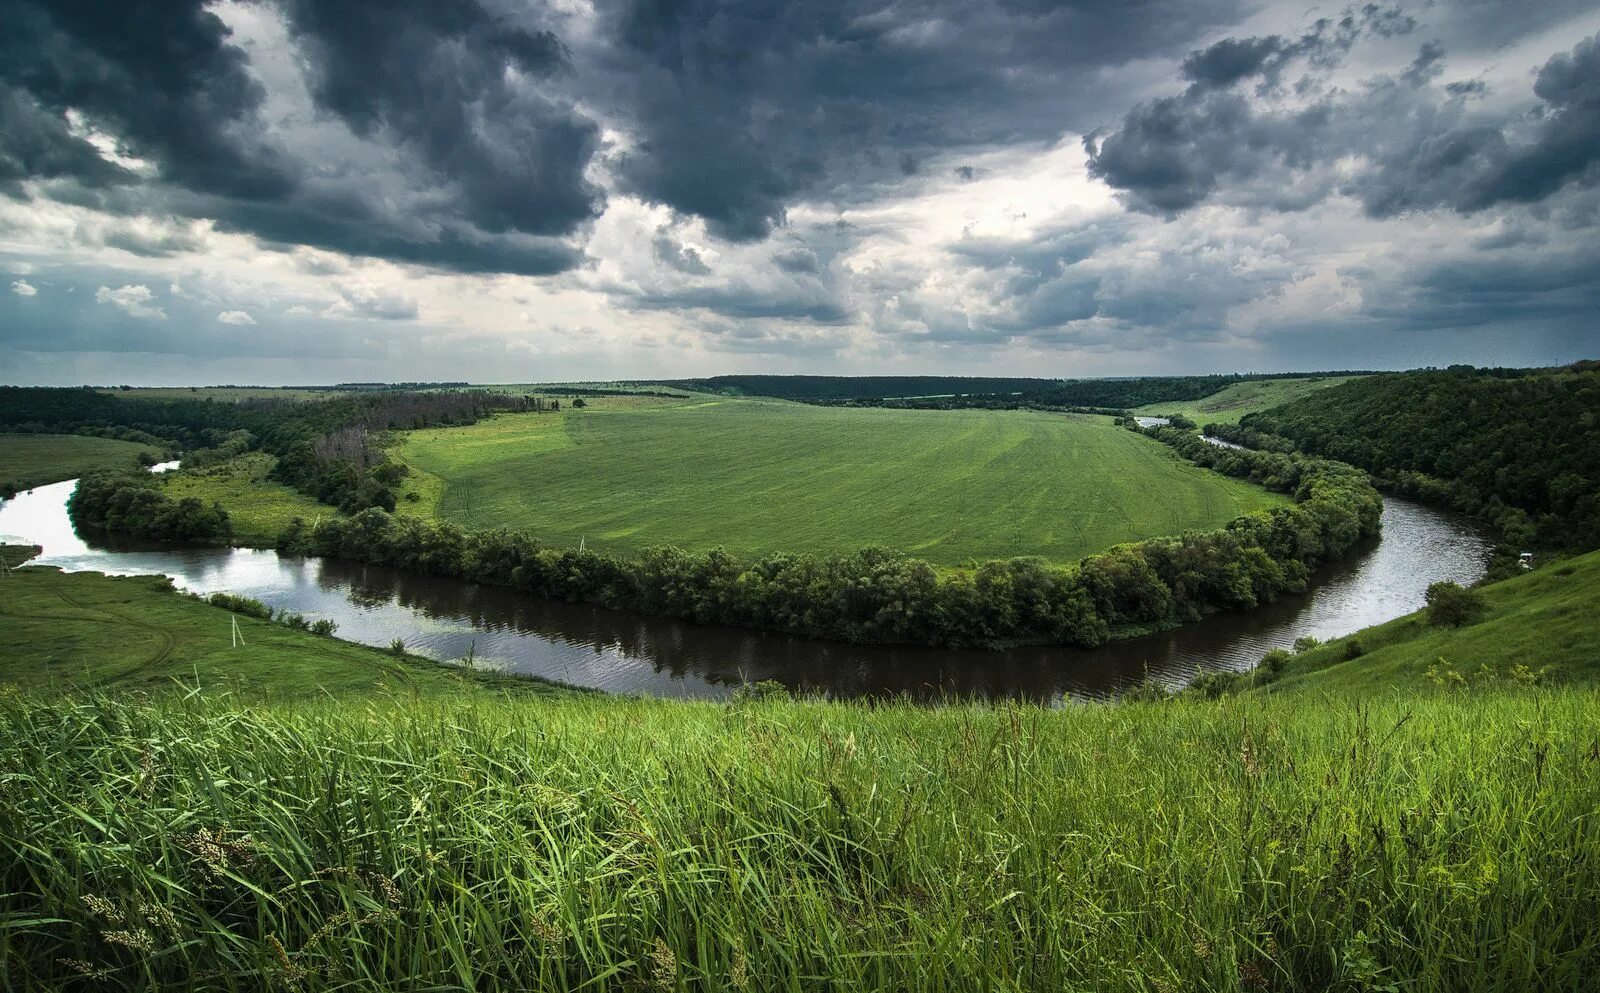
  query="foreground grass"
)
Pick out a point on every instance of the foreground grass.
point(1424, 842)
point(62, 632)
point(1544, 619)
point(29, 460)
point(950, 487)
point(1232, 403)
point(258, 507)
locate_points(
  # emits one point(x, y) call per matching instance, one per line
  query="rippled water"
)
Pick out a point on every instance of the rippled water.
point(590, 646)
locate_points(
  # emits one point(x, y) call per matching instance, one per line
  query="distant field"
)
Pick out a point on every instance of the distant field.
point(229, 393)
point(29, 460)
point(1232, 403)
point(759, 476)
point(259, 508)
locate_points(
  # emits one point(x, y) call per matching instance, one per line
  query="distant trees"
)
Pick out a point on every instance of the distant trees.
point(131, 502)
point(1517, 447)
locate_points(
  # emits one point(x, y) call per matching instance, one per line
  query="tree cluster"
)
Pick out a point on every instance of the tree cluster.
point(132, 503)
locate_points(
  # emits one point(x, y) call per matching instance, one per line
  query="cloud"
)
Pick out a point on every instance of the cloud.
point(135, 301)
point(237, 317)
point(22, 288)
point(1397, 143)
point(373, 300)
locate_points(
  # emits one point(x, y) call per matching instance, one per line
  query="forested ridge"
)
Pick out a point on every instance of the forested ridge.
point(989, 393)
point(1520, 448)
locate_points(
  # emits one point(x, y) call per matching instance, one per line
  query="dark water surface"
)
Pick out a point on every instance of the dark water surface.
point(629, 653)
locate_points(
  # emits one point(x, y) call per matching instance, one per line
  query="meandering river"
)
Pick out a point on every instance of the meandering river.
point(448, 619)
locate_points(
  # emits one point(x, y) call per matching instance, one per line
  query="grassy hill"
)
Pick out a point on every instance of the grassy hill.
point(322, 816)
point(1234, 402)
point(29, 460)
point(763, 476)
point(130, 634)
point(1543, 620)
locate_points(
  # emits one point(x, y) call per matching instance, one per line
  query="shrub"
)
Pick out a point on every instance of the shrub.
point(1305, 643)
point(240, 605)
point(1453, 605)
point(397, 647)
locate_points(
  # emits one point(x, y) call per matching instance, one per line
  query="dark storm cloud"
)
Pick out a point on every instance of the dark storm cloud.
point(491, 175)
point(743, 107)
point(1419, 146)
point(159, 75)
point(461, 88)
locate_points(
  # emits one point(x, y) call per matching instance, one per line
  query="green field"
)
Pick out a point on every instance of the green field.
point(767, 476)
point(29, 460)
point(1425, 842)
point(259, 508)
point(1227, 406)
point(311, 815)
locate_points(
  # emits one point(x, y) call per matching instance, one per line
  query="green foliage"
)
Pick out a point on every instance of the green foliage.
point(132, 502)
point(1520, 448)
point(240, 605)
point(1453, 605)
point(1435, 842)
point(758, 478)
point(258, 508)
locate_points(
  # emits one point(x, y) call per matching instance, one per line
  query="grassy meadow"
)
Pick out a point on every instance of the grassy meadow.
point(1232, 403)
point(767, 476)
point(1423, 842)
point(64, 633)
point(1543, 619)
point(258, 507)
point(29, 460)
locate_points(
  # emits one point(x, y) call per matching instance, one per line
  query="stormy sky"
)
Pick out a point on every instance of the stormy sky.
point(309, 191)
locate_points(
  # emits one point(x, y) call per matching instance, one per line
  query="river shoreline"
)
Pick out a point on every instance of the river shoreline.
point(447, 619)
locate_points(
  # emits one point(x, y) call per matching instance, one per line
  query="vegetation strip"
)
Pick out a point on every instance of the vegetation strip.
point(1431, 841)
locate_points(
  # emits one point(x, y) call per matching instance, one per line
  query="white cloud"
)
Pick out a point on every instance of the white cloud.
point(235, 317)
point(22, 288)
point(135, 300)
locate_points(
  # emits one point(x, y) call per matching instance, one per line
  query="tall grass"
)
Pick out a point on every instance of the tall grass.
point(1420, 843)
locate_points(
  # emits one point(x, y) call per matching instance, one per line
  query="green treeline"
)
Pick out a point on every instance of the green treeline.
point(131, 502)
point(988, 393)
point(877, 595)
point(1520, 448)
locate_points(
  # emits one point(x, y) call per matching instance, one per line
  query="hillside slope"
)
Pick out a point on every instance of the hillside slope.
point(1544, 619)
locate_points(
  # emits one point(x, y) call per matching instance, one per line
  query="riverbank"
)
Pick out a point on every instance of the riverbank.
point(70, 632)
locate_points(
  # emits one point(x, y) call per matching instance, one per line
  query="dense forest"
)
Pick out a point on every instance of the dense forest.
point(958, 392)
point(1520, 448)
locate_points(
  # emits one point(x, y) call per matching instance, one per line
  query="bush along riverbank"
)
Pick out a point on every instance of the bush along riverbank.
point(880, 596)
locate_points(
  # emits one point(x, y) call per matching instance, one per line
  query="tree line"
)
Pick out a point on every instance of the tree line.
point(1519, 448)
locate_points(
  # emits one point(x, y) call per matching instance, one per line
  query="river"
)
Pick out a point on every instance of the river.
point(446, 619)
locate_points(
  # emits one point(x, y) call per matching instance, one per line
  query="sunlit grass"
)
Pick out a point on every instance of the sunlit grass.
point(757, 477)
point(1422, 842)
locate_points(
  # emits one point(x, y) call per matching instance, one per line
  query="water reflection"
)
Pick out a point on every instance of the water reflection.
point(447, 619)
